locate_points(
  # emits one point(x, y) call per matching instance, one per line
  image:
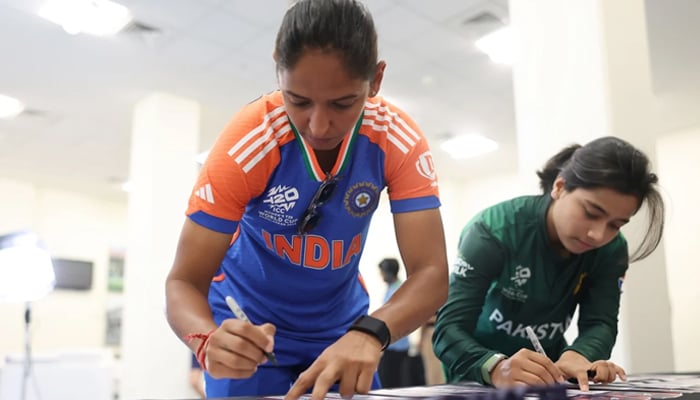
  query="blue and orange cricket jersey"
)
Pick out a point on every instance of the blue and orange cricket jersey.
point(257, 183)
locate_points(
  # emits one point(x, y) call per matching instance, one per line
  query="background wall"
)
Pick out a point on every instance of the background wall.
point(679, 168)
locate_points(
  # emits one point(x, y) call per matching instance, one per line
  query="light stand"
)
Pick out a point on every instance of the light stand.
point(26, 372)
point(26, 274)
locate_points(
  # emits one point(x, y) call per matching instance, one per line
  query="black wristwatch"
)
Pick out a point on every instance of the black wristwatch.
point(374, 327)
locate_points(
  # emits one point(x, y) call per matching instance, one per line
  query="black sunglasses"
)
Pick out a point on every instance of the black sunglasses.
point(312, 214)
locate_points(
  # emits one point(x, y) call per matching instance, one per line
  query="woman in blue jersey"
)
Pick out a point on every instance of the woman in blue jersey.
point(279, 216)
point(532, 260)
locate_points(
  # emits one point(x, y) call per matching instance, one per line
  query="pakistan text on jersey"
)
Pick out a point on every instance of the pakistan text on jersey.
point(547, 330)
point(312, 251)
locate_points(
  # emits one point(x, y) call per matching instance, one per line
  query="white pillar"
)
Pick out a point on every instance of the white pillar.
point(677, 65)
point(557, 78)
point(646, 307)
point(679, 168)
point(582, 71)
point(165, 141)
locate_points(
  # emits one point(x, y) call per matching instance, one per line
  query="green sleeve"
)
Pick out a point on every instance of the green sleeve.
point(479, 263)
point(600, 303)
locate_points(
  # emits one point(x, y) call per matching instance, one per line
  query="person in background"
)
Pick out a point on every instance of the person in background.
point(532, 260)
point(279, 216)
point(431, 364)
point(395, 363)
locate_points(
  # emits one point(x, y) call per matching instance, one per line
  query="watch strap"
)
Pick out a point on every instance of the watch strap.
point(488, 366)
point(374, 327)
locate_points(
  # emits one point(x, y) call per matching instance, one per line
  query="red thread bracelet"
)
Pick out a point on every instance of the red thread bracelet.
point(200, 353)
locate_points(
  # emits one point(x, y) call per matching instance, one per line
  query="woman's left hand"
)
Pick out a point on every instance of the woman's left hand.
point(351, 361)
point(606, 371)
point(576, 366)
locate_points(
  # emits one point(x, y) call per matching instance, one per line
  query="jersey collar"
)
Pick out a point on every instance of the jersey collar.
point(312, 165)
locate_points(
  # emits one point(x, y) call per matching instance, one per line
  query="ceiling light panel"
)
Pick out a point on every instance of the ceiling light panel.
point(95, 17)
point(10, 107)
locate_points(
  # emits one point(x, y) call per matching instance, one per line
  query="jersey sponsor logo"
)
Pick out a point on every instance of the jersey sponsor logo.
point(205, 193)
point(546, 330)
point(462, 267)
point(280, 200)
point(426, 166)
point(313, 251)
point(361, 199)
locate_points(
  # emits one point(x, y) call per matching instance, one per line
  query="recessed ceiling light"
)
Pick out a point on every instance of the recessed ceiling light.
point(498, 45)
point(10, 107)
point(468, 146)
point(96, 17)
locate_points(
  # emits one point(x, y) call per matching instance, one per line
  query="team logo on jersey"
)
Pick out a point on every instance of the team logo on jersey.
point(280, 200)
point(426, 166)
point(361, 199)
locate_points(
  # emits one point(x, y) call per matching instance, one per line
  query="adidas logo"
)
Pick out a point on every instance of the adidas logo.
point(205, 193)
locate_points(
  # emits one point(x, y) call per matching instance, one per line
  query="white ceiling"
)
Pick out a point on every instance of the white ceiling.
point(81, 89)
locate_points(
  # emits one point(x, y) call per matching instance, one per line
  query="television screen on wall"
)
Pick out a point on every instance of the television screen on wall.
point(73, 274)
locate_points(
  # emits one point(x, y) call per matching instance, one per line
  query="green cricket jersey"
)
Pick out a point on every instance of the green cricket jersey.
point(507, 276)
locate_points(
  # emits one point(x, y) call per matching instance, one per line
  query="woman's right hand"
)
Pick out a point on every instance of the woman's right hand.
point(235, 349)
point(526, 367)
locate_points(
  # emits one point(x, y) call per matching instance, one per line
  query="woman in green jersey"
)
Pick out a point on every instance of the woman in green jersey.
point(530, 261)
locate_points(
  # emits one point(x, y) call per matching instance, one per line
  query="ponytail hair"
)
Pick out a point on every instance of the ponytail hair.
point(554, 165)
point(610, 162)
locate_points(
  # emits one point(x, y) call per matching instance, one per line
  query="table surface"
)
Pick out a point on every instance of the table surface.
point(682, 386)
